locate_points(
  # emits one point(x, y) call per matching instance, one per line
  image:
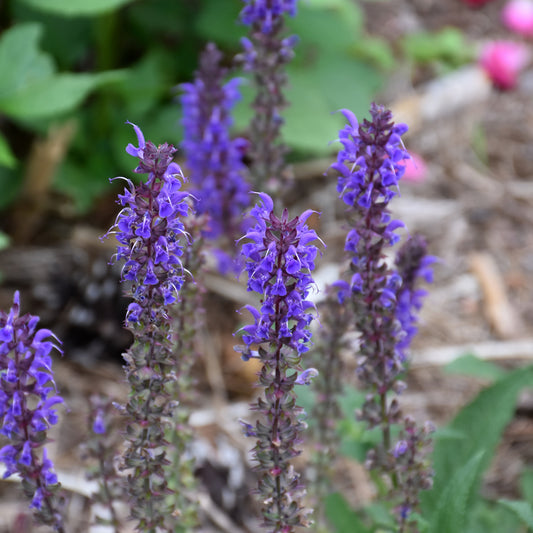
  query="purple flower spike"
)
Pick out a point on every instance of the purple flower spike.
point(385, 300)
point(152, 239)
point(213, 157)
point(28, 408)
point(279, 257)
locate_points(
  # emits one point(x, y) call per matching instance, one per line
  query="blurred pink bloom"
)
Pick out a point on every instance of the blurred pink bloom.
point(503, 61)
point(416, 169)
point(517, 15)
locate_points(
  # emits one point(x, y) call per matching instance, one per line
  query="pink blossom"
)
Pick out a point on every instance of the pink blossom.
point(503, 61)
point(416, 169)
point(517, 15)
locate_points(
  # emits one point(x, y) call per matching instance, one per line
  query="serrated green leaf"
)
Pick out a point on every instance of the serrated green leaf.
point(21, 62)
point(470, 365)
point(7, 158)
point(523, 510)
point(341, 516)
point(54, 95)
point(451, 513)
point(77, 8)
point(482, 422)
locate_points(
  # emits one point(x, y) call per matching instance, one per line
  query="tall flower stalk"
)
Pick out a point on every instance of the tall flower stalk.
point(27, 409)
point(151, 235)
point(213, 157)
point(265, 54)
point(279, 257)
point(384, 297)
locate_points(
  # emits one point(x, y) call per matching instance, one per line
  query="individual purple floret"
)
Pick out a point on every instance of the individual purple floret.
point(213, 157)
point(279, 258)
point(151, 239)
point(265, 54)
point(28, 400)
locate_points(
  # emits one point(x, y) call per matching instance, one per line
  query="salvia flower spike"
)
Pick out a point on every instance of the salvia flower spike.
point(279, 256)
point(265, 54)
point(385, 299)
point(213, 157)
point(151, 238)
point(28, 401)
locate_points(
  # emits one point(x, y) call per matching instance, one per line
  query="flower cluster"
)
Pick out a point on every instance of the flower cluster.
point(265, 13)
point(151, 235)
point(149, 229)
point(265, 54)
point(28, 401)
point(385, 299)
point(214, 159)
point(279, 260)
point(279, 257)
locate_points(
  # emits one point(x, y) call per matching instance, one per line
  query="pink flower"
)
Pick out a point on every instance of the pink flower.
point(517, 15)
point(416, 169)
point(503, 61)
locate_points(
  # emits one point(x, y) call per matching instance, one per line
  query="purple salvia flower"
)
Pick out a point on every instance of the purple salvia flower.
point(214, 159)
point(385, 300)
point(412, 263)
point(271, 250)
point(151, 238)
point(265, 54)
point(266, 13)
point(28, 401)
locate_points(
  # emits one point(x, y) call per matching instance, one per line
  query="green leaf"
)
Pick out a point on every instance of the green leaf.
point(77, 8)
point(451, 513)
point(482, 423)
point(219, 21)
point(21, 62)
point(341, 516)
point(470, 365)
point(447, 45)
point(7, 159)
point(526, 485)
point(523, 510)
point(54, 95)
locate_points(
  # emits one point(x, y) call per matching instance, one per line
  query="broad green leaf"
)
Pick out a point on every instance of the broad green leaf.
point(21, 62)
point(7, 158)
point(482, 423)
point(145, 84)
point(53, 95)
point(450, 516)
point(219, 21)
point(77, 8)
point(341, 516)
point(447, 45)
point(470, 365)
point(523, 510)
point(526, 485)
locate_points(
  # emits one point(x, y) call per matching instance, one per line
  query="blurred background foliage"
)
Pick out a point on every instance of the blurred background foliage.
point(76, 70)
point(73, 71)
